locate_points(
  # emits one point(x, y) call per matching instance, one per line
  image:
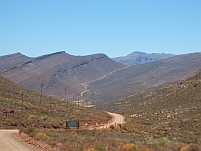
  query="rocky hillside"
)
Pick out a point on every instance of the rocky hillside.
point(140, 77)
point(141, 57)
point(12, 60)
point(96, 78)
point(174, 107)
point(30, 110)
point(57, 71)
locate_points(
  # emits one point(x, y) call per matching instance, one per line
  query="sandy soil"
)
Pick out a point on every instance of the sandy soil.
point(11, 140)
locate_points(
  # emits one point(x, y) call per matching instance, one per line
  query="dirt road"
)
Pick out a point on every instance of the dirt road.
point(8, 143)
point(87, 83)
point(117, 119)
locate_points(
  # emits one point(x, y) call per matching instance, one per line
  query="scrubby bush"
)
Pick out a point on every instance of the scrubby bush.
point(100, 147)
point(41, 136)
point(144, 148)
point(125, 128)
point(29, 130)
point(128, 147)
point(112, 126)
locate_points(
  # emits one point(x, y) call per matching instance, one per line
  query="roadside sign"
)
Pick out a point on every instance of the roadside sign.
point(72, 124)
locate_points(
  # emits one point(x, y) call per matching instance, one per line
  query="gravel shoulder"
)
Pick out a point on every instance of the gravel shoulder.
point(10, 140)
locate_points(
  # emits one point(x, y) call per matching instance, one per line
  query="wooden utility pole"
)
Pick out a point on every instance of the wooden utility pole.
point(41, 92)
point(78, 100)
point(49, 104)
point(65, 95)
point(86, 104)
point(67, 103)
point(22, 101)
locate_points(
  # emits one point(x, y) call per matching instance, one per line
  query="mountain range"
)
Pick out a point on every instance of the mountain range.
point(166, 117)
point(95, 78)
point(141, 57)
point(56, 72)
point(140, 77)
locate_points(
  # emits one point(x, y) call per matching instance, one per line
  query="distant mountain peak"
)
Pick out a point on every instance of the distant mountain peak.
point(137, 52)
point(138, 57)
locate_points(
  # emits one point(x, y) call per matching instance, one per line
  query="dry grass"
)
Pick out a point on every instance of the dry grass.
point(152, 128)
point(164, 114)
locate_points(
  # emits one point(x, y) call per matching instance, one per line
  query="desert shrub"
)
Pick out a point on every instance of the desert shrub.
point(185, 148)
point(44, 117)
point(29, 130)
point(41, 136)
point(125, 128)
point(128, 147)
point(112, 126)
point(193, 148)
point(190, 148)
point(100, 147)
point(185, 121)
point(11, 122)
point(195, 85)
point(144, 148)
point(89, 149)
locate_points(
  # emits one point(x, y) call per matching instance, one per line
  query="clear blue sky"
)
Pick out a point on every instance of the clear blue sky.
point(113, 27)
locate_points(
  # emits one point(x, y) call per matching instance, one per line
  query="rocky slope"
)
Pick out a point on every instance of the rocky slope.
point(140, 77)
point(57, 71)
point(174, 107)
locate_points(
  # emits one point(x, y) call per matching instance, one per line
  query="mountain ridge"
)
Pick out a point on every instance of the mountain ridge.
point(12, 60)
point(58, 71)
point(139, 77)
point(138, 57)
point(97, 78)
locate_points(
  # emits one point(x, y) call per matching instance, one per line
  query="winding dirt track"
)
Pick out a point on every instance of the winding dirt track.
point(87, 83)
point(8, 143)
point(117, 119)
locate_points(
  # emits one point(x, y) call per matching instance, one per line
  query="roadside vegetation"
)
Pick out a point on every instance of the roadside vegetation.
point(166, 118)
point(46, 112)
point(170, 113)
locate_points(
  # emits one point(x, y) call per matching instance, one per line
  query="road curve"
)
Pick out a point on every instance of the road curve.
point(8, 143)
point(116, 119)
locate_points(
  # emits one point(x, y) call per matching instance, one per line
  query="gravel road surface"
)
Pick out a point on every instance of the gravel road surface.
point(9, 143)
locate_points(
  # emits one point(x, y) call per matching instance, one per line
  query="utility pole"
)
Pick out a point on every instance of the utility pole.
point(50, 106)
point(67, 102)
point(22, 100)
point(65, 95)
point(41, 92)
point(86, 104)
point(78, 100)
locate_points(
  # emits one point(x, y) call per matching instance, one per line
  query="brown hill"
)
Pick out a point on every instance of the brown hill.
point(49, 112)
point(12, 61)
point(174, 108)
point(140, 77)
point(58, 71)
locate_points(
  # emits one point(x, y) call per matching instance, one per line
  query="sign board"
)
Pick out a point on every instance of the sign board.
point(72, 124)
